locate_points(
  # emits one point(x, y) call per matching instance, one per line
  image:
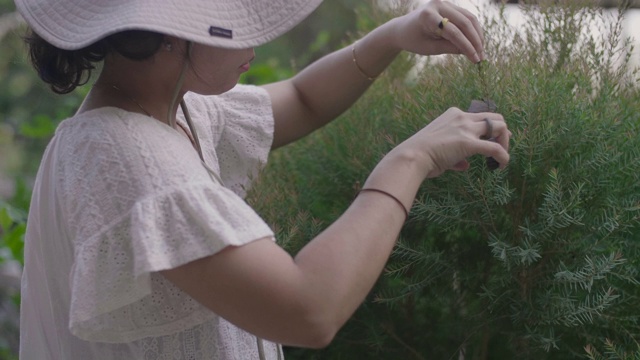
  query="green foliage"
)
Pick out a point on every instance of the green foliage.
point(533, 262)
point(612, 351)
point(12, 229)
point(29, 113)
point(322, 32)
point(27, 106)
point(42, 127)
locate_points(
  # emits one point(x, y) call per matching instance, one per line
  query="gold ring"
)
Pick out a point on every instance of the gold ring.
point(443, 23)
point(441, 26)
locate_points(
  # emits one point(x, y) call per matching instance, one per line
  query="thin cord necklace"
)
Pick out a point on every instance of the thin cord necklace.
point(132, 99)
point(194, 141)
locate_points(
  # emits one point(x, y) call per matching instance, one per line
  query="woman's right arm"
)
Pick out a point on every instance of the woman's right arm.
point(303, 301)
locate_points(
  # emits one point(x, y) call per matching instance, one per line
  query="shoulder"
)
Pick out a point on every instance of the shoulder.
point(243, 98)
point(113, 128)
point(110, 142)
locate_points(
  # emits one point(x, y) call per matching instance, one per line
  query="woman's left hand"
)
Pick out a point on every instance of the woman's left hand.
point(419, 31)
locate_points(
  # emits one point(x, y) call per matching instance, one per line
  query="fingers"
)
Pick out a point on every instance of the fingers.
point(462, 29)
point(494, 138)
point(461, 166)
point(492, 126)
point(478, 28)
point(492, 149)
point(453, 137)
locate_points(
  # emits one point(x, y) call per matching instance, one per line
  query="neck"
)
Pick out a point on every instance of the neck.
point(145, 87)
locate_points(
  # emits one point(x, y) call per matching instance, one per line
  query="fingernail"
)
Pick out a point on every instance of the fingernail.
point(483, 55)
point(476, 58)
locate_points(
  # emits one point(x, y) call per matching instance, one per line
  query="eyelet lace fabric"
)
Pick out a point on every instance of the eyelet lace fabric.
point(119, 197)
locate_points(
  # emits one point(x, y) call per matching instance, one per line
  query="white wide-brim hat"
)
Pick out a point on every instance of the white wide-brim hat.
point(234, 24)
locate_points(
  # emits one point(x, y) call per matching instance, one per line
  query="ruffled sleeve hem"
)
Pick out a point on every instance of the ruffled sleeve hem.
point(113, 284)
point(241, 125)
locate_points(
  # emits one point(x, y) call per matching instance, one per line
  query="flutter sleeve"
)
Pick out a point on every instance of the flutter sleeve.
point(141, 202)
point(238, 132)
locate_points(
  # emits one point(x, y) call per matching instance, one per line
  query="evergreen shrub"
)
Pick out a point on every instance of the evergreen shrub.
point(537, 261)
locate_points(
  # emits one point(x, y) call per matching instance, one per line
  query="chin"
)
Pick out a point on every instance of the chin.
point(217, 90)
point(228, 88)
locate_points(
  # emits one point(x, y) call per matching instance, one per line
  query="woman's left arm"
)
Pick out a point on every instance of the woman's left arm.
point(329, 86)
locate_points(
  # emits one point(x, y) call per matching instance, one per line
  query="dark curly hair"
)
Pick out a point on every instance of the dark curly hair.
point(64, 70)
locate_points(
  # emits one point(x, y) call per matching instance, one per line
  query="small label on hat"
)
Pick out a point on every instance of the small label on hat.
point(220, 32)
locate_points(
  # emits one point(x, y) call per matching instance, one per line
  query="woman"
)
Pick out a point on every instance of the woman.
point(139, 245)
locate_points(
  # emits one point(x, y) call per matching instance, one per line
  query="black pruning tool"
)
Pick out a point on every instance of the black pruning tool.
point(484, 105)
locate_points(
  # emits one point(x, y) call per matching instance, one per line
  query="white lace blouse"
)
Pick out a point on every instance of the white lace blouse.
point(120, 196)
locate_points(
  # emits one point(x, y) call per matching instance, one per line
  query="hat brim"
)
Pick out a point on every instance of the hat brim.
point(235, 24)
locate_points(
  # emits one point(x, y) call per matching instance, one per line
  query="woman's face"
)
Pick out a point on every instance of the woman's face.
point(214, 70)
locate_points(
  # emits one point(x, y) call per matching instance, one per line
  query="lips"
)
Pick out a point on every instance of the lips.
point(246, 66)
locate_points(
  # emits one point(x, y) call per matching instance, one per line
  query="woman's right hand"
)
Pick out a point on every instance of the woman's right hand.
point(447, 142)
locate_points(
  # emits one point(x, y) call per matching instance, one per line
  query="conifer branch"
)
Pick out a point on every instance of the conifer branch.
point(389, 330)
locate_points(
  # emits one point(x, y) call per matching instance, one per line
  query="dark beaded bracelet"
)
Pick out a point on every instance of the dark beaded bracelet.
point(406, 212)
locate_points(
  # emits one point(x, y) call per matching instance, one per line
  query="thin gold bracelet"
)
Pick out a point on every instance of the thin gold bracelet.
point(353, 53)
